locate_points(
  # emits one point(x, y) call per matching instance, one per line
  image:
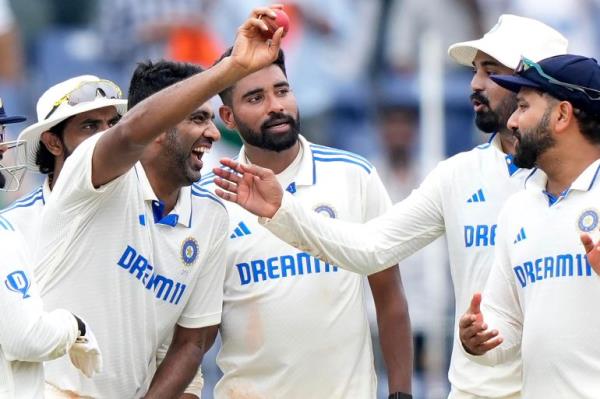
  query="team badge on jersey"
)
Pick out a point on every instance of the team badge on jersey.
point(18, 282)
point(588, 220)
point(325, 210)
point(189, 251)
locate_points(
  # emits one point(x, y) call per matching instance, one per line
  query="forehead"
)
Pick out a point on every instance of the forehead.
point(206, 107)
point(99, 113)
point(530, 95)
point(263, 78)
point(483, 59)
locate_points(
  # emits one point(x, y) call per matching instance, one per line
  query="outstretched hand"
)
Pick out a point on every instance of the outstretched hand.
point(474, 334)
point(592, 251)
point(251, 51)
point(254, 188)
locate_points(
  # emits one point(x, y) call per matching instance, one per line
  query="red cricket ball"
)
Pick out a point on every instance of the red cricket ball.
point(281, 20)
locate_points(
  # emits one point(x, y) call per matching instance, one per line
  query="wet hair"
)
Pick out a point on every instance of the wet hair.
point(151, 77)
point(43, 157)
point(225, 95)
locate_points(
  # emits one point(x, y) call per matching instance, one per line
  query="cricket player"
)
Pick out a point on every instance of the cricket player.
point(461, 197)
point(28, 334)
point(124, 226)
point(51, 140)
point(54, 137)
point(540, 299)
point(284, 311)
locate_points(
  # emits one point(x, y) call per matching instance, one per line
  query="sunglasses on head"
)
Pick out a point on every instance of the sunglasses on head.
point(526, 64)
point(88, 91)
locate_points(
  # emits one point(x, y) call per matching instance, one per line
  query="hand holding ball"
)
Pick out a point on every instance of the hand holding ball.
point(281, 20)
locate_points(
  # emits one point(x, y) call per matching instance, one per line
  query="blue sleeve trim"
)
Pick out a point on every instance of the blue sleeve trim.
point(345, 160)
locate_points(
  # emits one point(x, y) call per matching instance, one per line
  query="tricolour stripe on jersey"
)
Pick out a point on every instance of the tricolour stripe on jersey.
point(200, 192)
point(342, 159)
point(5, 224)
point(328, 151)
point(26, 201)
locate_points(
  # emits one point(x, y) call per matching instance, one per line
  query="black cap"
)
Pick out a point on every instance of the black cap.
point(557, 73)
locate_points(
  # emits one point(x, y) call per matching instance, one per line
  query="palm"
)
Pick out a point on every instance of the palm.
point(261, 197)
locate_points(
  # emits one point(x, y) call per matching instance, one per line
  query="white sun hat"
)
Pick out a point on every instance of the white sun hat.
point(511, 38)
point(63, 100)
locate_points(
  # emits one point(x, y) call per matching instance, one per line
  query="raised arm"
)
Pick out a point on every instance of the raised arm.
point(362, 248)
point(122, 145)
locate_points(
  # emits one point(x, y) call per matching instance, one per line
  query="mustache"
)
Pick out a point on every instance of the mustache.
point(278, 118)
point(476, 96)
point(517, 134)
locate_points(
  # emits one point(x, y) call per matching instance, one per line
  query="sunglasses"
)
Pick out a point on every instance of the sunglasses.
point(88, 91)
point(526, 64)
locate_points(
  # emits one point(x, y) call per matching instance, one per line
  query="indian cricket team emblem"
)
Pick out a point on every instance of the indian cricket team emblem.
point(18, 282)
point(325, 210)
point(588, 220)
point(189, 251)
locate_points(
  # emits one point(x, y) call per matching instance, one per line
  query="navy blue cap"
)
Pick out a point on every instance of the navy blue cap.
point(567, 68)
point(5, 119)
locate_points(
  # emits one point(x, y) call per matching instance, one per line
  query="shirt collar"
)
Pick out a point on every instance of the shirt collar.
point(537, 180)
point(495, 142)
point(181, 213)
point(306, 174)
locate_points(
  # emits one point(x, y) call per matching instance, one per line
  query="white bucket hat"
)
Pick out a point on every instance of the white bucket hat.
point(511, 38)
point(59, 103)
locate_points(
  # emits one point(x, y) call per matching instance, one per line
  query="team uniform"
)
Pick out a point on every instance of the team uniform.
point(293, 326)
point(542, 294)
point(109, 255)
point(26, 212)
point(28, 335)
point(461, 197)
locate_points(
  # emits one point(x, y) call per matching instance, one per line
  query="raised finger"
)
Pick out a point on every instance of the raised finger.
point(587, 241)
point(226, 185)
point(226, 195)
point(227, 175)
point(267, 11)
point(257, 23)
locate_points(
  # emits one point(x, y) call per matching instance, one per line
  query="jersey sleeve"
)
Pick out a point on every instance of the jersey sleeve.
point(31, 334)
point(377, 200)
point(204, 307)
point(370, 247)
point(500, 306)
point(74, 186)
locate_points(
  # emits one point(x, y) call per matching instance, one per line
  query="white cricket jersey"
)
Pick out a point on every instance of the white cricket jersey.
point(293, 326)
point(26, 212)
point(542, 294)
point(28, 335)
point(108, 255)
point(461, 197)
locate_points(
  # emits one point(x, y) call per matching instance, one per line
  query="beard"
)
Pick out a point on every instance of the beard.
point(533, 142)
point(269, 141)
point(493, 120)
point(177, 160)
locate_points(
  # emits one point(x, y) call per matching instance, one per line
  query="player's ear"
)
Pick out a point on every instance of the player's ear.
point(226, 114)
point(53, 143)
point(565, 115)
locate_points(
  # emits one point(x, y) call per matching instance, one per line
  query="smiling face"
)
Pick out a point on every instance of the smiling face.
point(185, 144)
point(264, 110)
point(531, 125)
point(492, 104)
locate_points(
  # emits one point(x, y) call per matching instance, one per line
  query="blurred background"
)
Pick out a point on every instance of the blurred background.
point(370, 76)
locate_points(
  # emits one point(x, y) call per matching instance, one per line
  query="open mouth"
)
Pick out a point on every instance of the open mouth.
point(200, 150)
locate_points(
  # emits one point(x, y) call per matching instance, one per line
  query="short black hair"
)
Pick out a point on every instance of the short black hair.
point(43, 157)
point(226, 94)
point(589, 125)
point(151, 77)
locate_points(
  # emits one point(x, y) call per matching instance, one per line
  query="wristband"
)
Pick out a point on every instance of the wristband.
point(80, 326)
point(400, 395)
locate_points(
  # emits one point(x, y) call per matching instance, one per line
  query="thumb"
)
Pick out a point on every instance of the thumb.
point(475, 303)
point(587, 242)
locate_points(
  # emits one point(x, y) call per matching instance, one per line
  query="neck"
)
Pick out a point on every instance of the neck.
point(163, 185)
point(563, 166)
point(276, 161)
point(58, 165)
point(507, 141)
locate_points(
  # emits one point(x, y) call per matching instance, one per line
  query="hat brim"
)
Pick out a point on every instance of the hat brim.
point(514, 82)
point(464, 52)
point(12, 119)
point(33, 133)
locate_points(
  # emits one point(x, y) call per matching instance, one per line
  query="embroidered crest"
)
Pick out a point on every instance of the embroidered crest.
point(189, 251)
point(588, 220)
point(325, 210)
